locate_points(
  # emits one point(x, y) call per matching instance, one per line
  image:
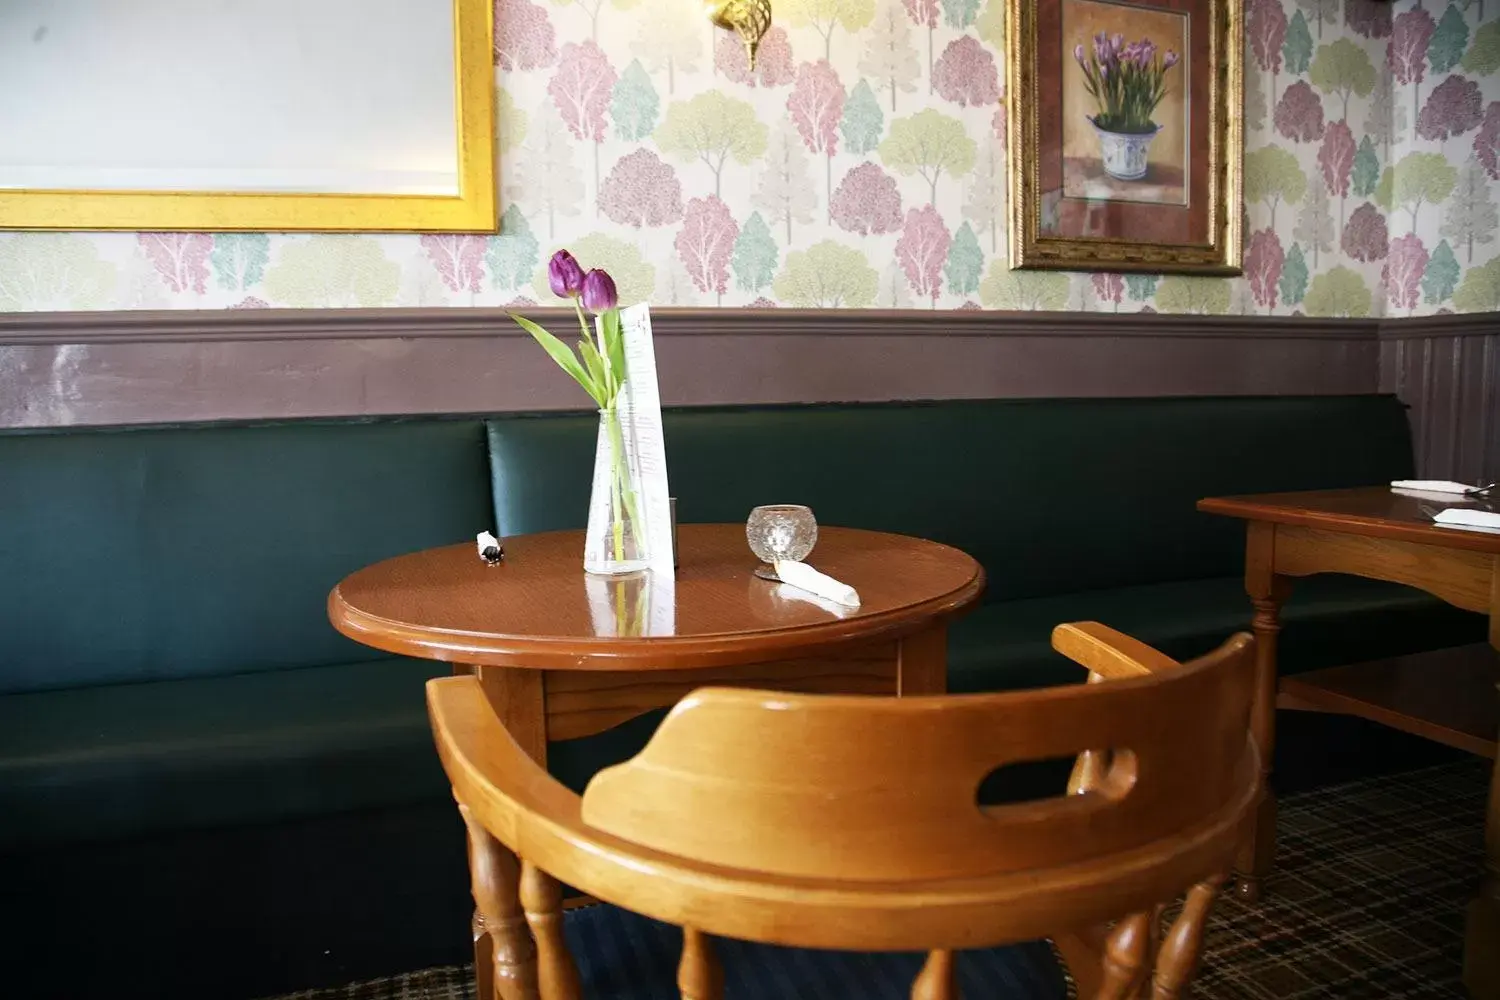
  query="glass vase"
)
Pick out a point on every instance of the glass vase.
point(616, 540)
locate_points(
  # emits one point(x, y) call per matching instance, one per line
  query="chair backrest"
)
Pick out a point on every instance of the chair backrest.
point(882, 789)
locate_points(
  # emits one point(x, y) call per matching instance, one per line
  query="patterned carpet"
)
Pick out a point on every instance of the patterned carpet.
point(1367, 901)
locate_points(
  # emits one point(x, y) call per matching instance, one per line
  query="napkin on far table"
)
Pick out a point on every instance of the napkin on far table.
point(1468, 517)
point(1431, 485)
point(804, 577)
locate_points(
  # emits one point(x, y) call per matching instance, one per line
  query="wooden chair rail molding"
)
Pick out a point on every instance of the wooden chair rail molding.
point(750, 814)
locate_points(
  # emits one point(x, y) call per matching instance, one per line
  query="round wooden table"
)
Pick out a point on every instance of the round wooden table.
point(561, 654)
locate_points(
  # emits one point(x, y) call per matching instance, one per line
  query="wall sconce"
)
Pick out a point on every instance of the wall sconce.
point(750, 18)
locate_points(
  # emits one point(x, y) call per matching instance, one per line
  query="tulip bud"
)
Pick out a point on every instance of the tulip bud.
point(599, 293)
point(564, 275)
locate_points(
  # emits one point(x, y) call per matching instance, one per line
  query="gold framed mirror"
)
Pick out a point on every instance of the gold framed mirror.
point(332, 115)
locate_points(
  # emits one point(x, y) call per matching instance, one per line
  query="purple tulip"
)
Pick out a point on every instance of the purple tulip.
point(564, 275)
point(1169, 60)
point(1078, 53)
point(599, 293)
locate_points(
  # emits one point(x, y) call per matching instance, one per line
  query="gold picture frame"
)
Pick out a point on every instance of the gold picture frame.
point(1174, 209)
point(472, 209)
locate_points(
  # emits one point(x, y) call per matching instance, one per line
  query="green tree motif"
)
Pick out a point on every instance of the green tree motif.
point(1441, 276)
point(1366, 169)
point(928, 143)
point(1297, 49)
point(510, 122)
point(1448, 41)
point(1342, 69)
point(635, 278)
point(331, 272)
point(53, 271)
point(1004, 288)
point(959, 13)
point(1419, 178)
point(1141, 287)
point(1480, 291)
point(712, 127)
point(991, 24)
point(239, 259)
point(1338, 292)
point(511, 253)
point(1293, 282)
point(827, 275)
point(825, 15)
point(755, 255)
point(1385, 191)
point(1206, 296)
point(1273, 175)
point(965, 262)
point(1483, 57)
point(863, 120)
point(635, 105)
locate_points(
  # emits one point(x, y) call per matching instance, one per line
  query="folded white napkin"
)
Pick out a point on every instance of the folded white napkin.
point(1431, 485)
point(786, 592)
point(1468, 517)
point(803, 576)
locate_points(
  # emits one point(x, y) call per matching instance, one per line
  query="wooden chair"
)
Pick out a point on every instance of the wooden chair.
point(847, 822)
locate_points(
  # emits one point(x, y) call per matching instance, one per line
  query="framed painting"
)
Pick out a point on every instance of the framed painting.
point(1125, 143)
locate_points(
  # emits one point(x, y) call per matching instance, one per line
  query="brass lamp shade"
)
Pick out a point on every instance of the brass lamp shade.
point(750, 18)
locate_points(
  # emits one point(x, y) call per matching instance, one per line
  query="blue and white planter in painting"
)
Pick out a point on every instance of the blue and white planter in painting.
point(1124, 153)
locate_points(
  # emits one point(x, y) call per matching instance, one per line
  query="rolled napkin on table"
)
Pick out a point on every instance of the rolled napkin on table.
point(804, 577)
point(1468, 517)
point(1431, 485)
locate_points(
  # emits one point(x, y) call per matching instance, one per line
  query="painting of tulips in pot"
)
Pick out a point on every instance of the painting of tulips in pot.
point(1124, 109)
point(1126, 134)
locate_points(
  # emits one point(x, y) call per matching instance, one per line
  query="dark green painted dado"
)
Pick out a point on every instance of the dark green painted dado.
point(170, 687)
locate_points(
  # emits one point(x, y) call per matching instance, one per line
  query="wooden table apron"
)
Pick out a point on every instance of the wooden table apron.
point(1380, 535)
point(525, 628)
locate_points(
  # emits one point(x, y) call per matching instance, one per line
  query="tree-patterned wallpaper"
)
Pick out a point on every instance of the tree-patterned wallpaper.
point(861, 165)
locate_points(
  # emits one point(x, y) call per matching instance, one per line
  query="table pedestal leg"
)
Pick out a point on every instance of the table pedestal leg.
point(1267, 593)
point(922, 661)
point(1482, 925)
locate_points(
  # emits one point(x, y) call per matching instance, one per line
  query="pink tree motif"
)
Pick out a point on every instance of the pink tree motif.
point(1487, 141)
point(1265, 25)
point(524, 38)
point(1299, 114)
point(581, 88)
point(706, 242)
point(867, 201)
point(1406, 52)
point(1264, 258)
point(1402, 274)
point(641, 190)
point(251, 302)
point(1365, 236)
point(773, 59)
point(1371, 18)
point(922, 249)
point(1336, 158)
point(180, 258)
point(925, 12)
point(998, 123)
point(1109, 287)
point(816, 104)
point(1453, 107)
point(458, 257)
point(966, 74)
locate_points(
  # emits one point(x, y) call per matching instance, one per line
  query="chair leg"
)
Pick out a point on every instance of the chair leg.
point(505, 960)
point(541, 897)
point(699, 975)
point(1126, 951)
point(1178, 958)
point(935, 981)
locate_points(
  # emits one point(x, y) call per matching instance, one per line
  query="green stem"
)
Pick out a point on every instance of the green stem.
point(622, 496)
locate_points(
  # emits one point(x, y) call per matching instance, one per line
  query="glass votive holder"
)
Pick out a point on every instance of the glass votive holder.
point(781, 531)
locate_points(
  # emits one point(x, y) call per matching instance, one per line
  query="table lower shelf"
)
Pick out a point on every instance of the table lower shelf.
point(1448, 695)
